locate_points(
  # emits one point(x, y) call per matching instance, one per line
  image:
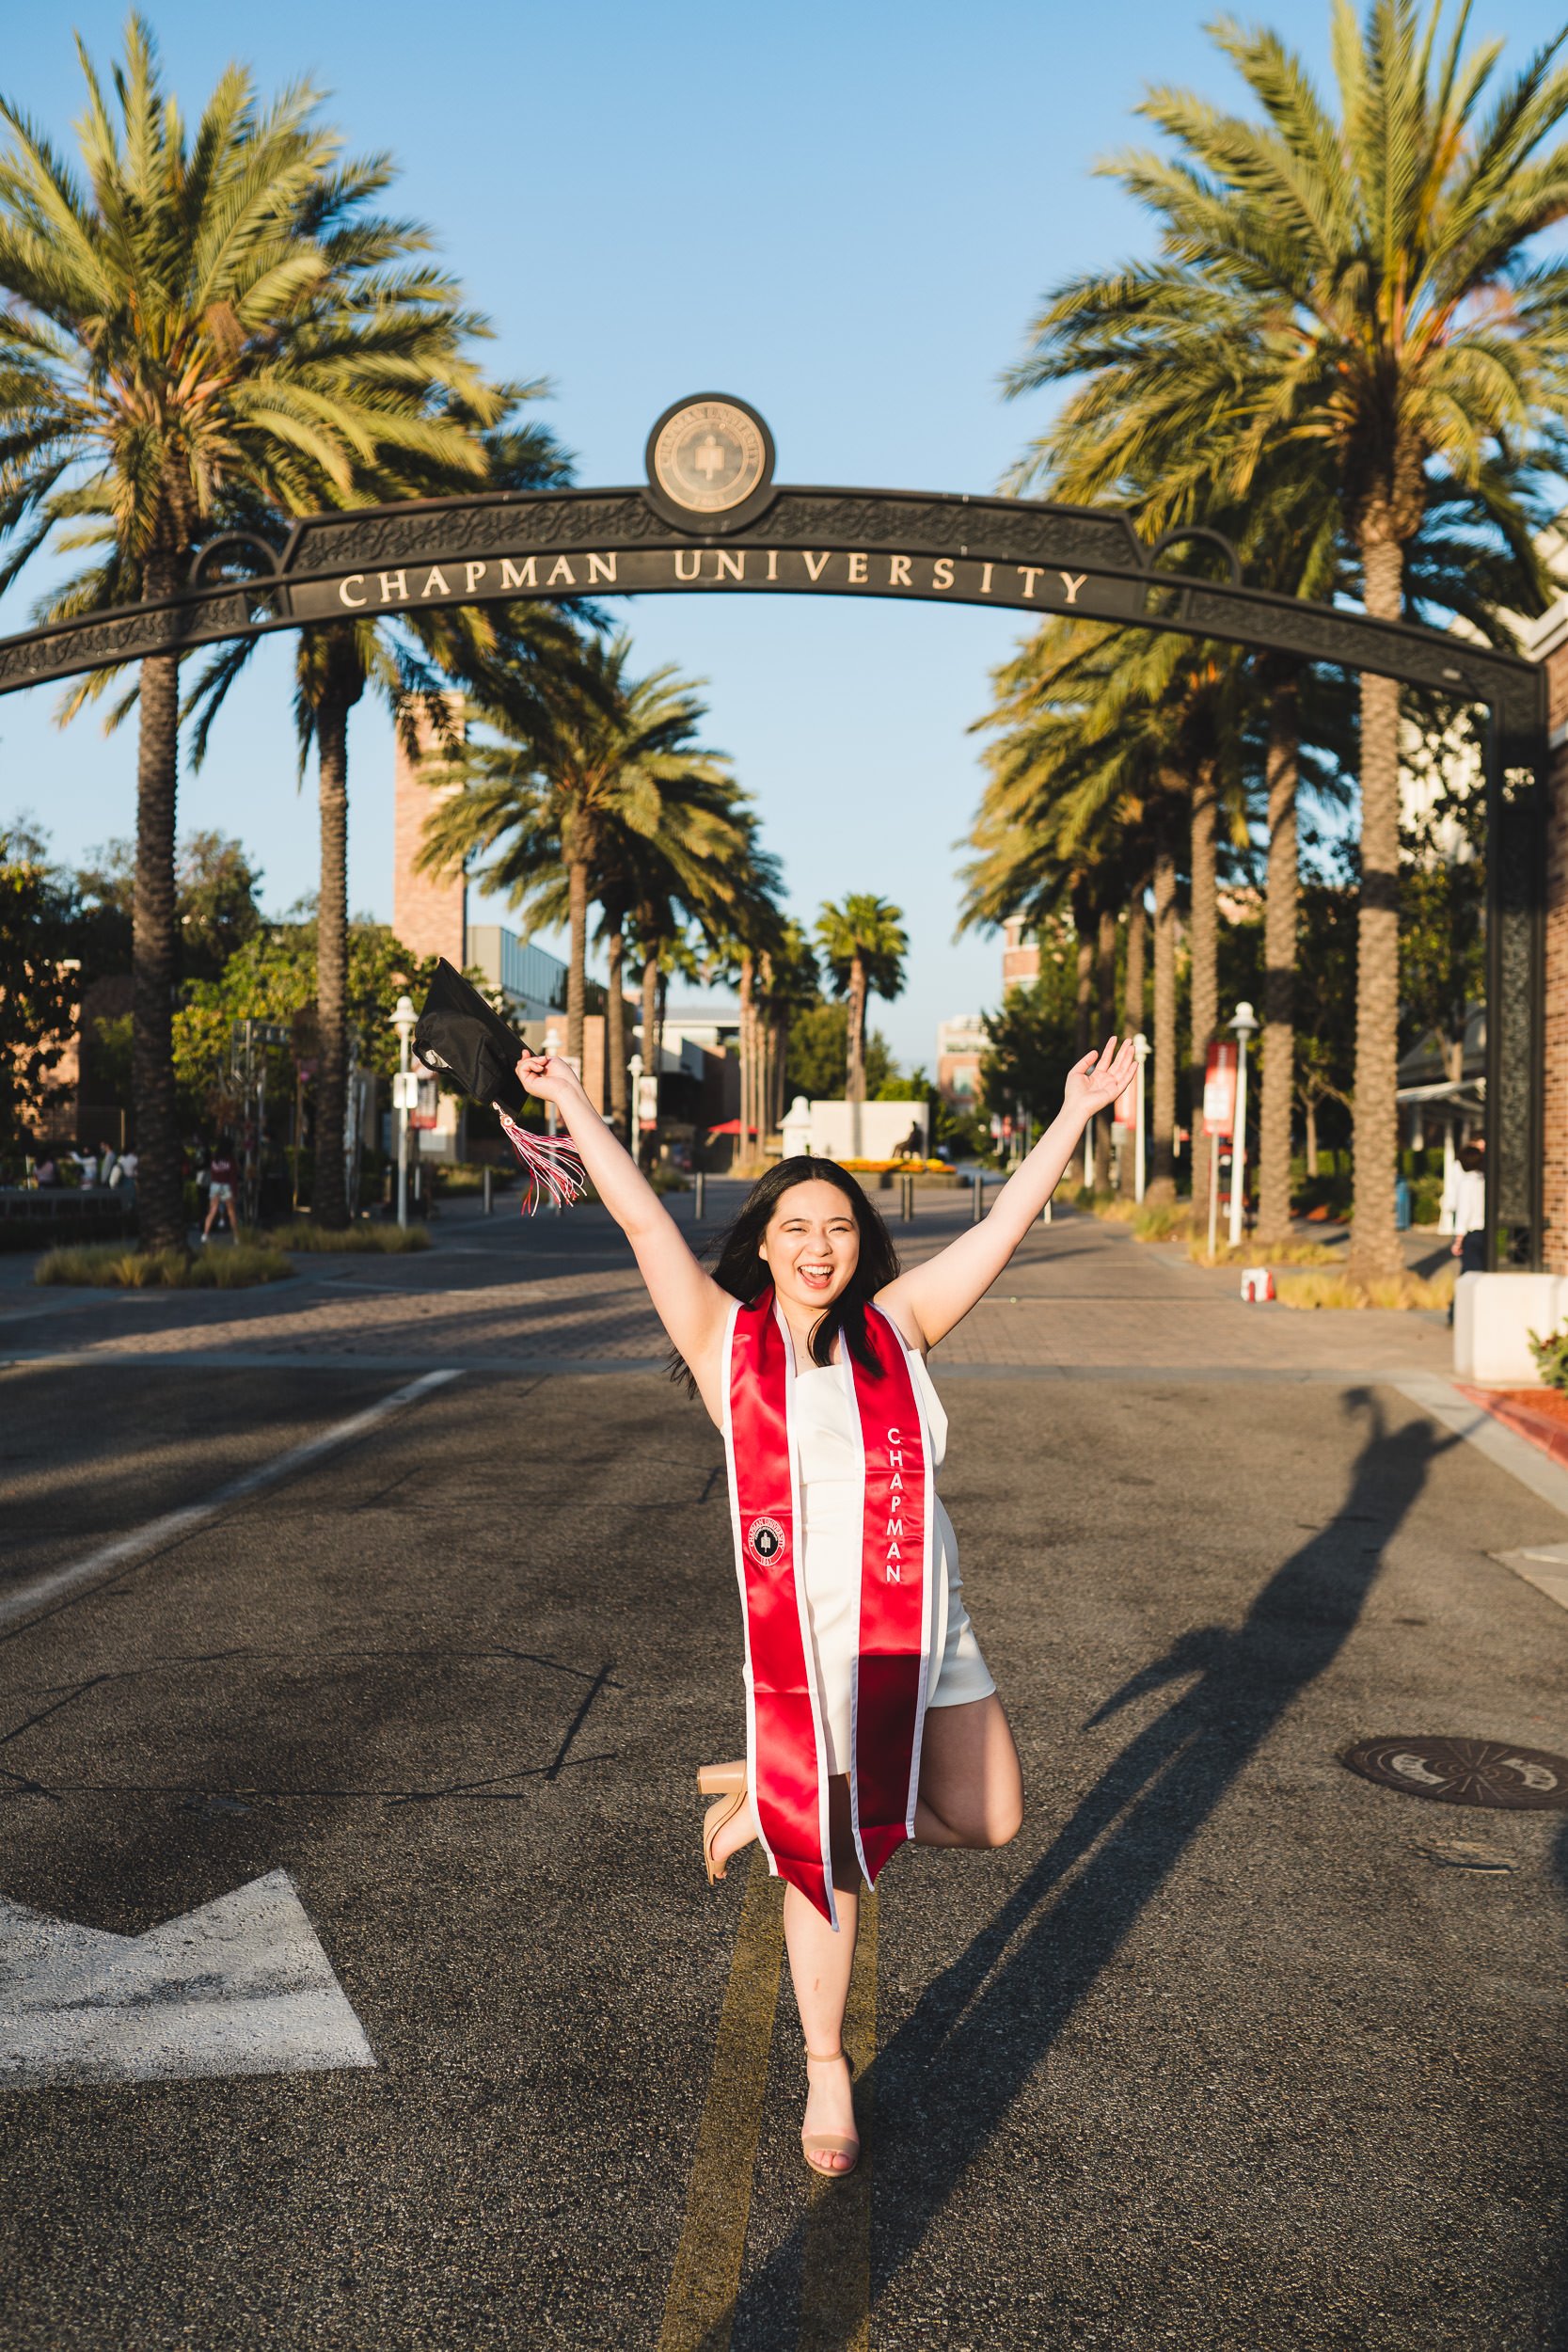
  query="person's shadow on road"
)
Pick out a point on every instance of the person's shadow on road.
point(944, 2082)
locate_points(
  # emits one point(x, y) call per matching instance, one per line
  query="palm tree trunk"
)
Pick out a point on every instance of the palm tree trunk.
point(1105, 975)
point(1133, 1014)
point(330, 1197)
point(1076, 1171)
point(854, 1079)
point(1279, 970)
point(1311, 1119)
point(1374, 1248)
point(577, 969)
point(1205, 971)
point(854, 1076)
point(781, 1057)
point(159, 1193)
point(766, 1038)
point(615, 1029)
point(1162, 1184)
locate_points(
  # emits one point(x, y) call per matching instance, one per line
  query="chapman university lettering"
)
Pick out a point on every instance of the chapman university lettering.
point(649, 570)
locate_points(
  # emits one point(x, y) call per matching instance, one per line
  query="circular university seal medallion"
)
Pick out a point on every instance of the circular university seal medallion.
point(765, 1541)
point(710, 456)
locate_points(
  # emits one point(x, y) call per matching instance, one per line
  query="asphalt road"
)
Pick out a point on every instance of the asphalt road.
point(1216, 2055)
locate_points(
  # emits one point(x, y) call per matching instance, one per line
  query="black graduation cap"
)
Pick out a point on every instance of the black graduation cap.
point(461, 1036)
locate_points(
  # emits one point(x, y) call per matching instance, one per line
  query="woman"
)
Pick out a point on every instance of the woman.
point(871, 1716)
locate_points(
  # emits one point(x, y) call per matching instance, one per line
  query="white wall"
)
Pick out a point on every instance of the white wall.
point(883, 1128)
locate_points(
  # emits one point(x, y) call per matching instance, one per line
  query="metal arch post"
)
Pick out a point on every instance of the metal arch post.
point(1516, 758)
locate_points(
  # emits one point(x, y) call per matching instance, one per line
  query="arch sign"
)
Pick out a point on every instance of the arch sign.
point(711, 519)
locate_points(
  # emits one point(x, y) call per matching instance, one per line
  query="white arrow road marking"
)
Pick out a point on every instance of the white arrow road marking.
point(240, 1987)
point(161, 1532)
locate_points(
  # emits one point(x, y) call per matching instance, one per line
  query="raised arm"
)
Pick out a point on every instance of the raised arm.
point(930, 1299)
point(689, 1302)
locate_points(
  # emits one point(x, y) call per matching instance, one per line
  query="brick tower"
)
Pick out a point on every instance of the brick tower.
point(1020, 956)
point(429, 912)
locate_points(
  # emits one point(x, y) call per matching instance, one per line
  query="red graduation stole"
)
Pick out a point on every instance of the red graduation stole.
point(784, 1747)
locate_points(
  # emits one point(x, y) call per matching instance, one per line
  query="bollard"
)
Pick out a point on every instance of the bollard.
point(699, 1207)
point(487, 1200)
point(906, 1206)
point(977, 1199)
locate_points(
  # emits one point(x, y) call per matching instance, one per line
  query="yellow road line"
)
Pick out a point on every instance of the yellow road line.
point(836, 2278)
point(707, 2277)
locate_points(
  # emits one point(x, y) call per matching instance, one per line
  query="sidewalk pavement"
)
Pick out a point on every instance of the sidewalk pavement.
point(1080, 1299)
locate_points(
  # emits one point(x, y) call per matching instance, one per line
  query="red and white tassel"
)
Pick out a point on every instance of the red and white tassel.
point(550, 1164)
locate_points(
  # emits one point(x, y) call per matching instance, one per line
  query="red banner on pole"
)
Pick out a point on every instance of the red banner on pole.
point(1126, 1111)
point(1219, 1088)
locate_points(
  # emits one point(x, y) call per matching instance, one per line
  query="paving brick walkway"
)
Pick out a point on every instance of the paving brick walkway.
point(1080, 1297)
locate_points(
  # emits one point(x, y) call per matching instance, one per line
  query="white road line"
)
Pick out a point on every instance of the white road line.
point(173, 1524)
point(1546, 1566)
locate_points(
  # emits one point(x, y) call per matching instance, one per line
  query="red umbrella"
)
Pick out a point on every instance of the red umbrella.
point(730, 1127)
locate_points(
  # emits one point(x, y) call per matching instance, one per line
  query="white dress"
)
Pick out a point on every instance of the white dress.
point(830, 1505)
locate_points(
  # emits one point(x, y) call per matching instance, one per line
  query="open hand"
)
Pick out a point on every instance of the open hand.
point(1099, 1078)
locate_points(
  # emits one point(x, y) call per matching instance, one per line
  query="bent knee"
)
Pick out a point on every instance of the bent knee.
point(1002, 1824)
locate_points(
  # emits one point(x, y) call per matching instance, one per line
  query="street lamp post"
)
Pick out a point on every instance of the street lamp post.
point(403, 1021)
point(1245, 1024)
point(634, 1123)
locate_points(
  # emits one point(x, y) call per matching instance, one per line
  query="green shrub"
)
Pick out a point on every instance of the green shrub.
point(387, 1240)
point(1337, 1290)
point(1551, 1358)
point(111, 1266)
point(1163, 1221)
point(664, 1178)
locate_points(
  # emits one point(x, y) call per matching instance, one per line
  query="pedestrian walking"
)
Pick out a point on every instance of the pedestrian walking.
point(871, 1716)
point(1470, 1212)
point(222, 1176)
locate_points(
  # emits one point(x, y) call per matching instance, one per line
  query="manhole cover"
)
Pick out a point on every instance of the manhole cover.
point(1486, 1772)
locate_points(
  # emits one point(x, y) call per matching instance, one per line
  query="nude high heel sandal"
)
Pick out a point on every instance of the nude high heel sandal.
point(828, 2143)
point(726, 1785)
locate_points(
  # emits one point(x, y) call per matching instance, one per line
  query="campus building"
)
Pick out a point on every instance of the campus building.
point(1020, 956)
point(960, 1048)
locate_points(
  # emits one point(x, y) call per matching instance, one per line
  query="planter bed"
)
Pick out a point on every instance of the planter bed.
point(1539, 1414)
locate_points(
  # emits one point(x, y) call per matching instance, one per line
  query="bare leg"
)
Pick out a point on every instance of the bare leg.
point(971, 1787)
point(819, 1965)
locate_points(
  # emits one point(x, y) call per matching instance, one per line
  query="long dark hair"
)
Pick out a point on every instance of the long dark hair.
point(739, 1269)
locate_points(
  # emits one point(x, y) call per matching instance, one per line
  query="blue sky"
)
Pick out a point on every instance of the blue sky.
point(844, 213)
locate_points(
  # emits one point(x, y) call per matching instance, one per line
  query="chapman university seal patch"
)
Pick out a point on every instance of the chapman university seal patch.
point(765, 1541)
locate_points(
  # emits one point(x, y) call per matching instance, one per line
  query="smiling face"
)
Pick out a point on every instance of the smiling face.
point(812, 1246)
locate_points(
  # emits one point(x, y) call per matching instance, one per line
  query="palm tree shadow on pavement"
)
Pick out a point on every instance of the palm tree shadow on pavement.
point(944, 2082)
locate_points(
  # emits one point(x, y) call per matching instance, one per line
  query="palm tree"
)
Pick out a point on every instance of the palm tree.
point(409, 662)
point(604, 752)
point(203, 318)
point(692, 867)
point(1100, 731)
point(790, 981)
point(864, 945)
point(1358, 288)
